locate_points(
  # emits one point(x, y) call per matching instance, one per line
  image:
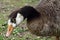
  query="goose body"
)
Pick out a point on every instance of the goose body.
point(43, 20)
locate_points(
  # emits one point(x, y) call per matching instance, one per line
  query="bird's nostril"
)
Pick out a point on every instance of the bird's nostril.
point(9, 29)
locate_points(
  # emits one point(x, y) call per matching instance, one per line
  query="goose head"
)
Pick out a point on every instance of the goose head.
point(13, 22)
point(18, 16)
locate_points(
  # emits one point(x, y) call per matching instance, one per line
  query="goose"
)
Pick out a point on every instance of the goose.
point(42, 20)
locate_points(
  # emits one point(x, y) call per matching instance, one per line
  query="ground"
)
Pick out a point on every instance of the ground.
point(21, 32)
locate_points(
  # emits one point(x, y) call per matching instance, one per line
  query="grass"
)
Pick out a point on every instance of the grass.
point(21, 32)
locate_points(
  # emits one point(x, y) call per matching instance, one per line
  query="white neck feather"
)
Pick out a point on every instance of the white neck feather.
point(19, 18)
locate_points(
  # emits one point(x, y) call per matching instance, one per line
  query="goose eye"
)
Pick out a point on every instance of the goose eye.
point(13, 20)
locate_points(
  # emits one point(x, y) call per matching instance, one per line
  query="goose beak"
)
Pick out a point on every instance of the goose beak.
point(9, 30)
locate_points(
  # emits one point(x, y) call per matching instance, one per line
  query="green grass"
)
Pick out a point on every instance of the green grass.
point(6, 7)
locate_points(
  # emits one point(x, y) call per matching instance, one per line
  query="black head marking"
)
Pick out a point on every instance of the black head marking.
point(13, 14)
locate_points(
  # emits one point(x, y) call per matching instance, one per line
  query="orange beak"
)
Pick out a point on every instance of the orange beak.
point(9, 30)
